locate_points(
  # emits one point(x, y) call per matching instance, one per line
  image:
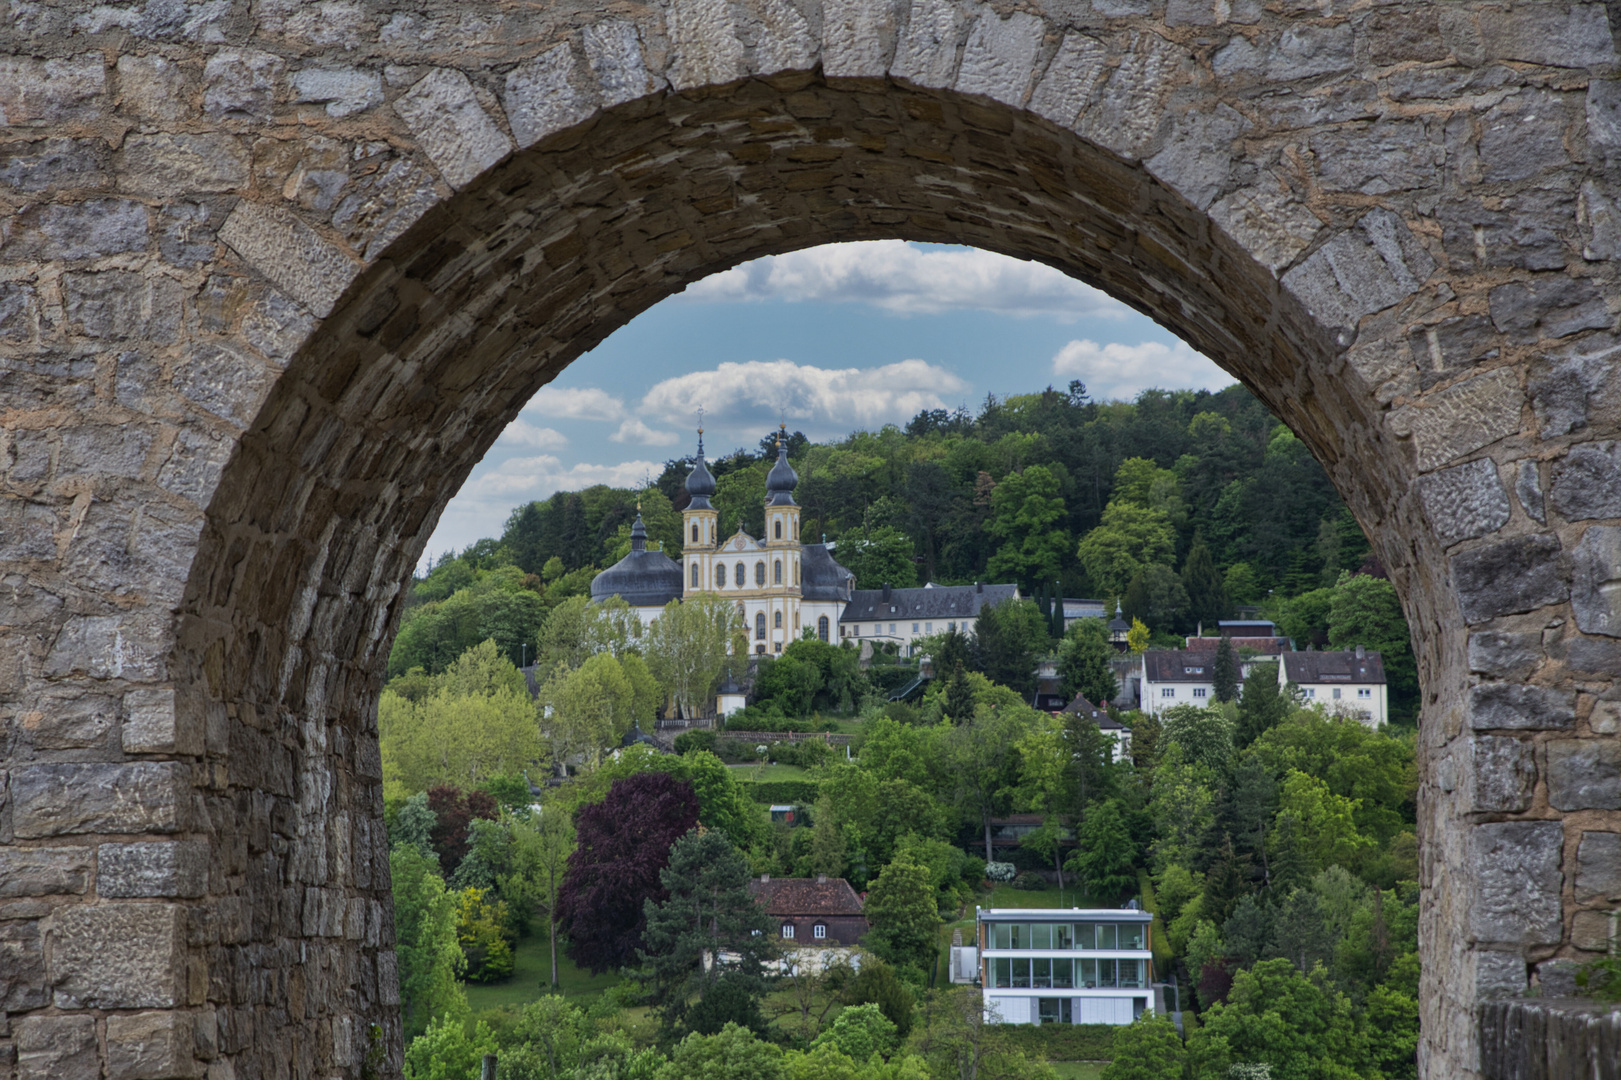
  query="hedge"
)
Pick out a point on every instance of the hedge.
point(1062, 1042)
point(773, 792)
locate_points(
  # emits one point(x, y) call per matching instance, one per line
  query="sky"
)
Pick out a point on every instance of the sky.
point(829, 340)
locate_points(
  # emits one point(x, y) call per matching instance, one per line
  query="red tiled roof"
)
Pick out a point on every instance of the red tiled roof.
point(806, 896)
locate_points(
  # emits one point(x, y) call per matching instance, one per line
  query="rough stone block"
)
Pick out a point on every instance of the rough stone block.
point(119, 956)
point(1464, 502)
point(22, 967)
point(783, 40)
point(86, 230)
point(1528, 489)
point(53, 165)
point(1566, 386)
point(344, 91)
point(113, 304)
point(1594, 655)
point(858, 39)
point(241, 84)
point(149, 1046)
point(138, 797)
point(152, 87)
point(1381, 158)
point(1587, 482)
point(1559, 35)
point(1368, 268)
point(155, 726)
point(1268, 222)
point(1511, 576)
point(541, 96)
point(1584, 774)
point(34, 92)
point(302, 262)
point(110, 646)
point(164, 868)
point(999, 57)
point(1197, 158)
point(1557, 978)
point(168, 165)
point(1548, 306)
point(1504, 655)
point(1517, 868)
point(1598, 866)
point(926, 53)
point(1452, 345)
point(1071, 79)
point(70, 723)
point(57, 1048)
point(1129, 110)
point(43, 871)
point(452, 128)
point(1499, 974)
point(1528, 231)
point(1514, 707)
point(1595, 591)
point(1522, 136)
point(1505, 774)
point(1462, 418)
point(1590, 930)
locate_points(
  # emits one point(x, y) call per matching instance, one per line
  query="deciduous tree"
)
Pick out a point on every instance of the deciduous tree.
point(688, 646)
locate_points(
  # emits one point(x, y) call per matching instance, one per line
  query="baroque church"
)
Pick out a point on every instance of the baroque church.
point(781, 586)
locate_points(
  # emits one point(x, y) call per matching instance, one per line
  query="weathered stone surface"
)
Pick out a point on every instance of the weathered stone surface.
point(53, 165)
point(857, 38)
point(167, 868)
point(1584, 774)
point(1511, 576)
point(1196, 160)
point(1595, 592)
point(57, 1048)
point(541, 97)
point(1071, 78)
point(1590, 930)
point(1564, 387)
point(73, 723)
point(1504, 655)
point(149, 1046)
point(1528, 489)
point(1464, 502)
point(1513, 707)
point(1593, 654)
point(1560, 35)
point(165, 166)
point(84, 230)
point(613, 50)
point(1462, 418)
point(344, 91)
point(1518, 868)
point(241, 83)
point(118, 956)
point(1549, 306)
point(1598, 867)
point(152, 87)
point(57, 800)
point(1526, 231)
point(35, 92)
point(22, 967)
point(152, 726)
point(454, 130)
point(926, 53)
point(1365, 269)
point(1523, 136)
point(1499, 974)
point(1128, 109)
point(43, 871)
point(999, 56)
point(1268, 221)
point(1505, 774)
point(1452, 345)
point(1587, 482)
point(310, 268)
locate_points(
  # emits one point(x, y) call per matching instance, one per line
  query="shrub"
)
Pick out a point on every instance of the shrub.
point(807, 755)
point(689, 742)
point(736, 751)
point(774, 792)
point(1000, 871)
point(1030, 881)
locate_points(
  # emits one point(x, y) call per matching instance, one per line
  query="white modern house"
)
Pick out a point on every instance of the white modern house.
point(1345, 683)
point(1065, 965)
point(1178, 677)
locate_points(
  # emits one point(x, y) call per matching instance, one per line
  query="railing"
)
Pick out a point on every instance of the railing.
point(1550, 1039)
point(832, 738)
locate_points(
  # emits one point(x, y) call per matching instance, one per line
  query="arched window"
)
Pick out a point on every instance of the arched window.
point(779, 528)
point(695, 578)
point(720, 576)
point(821, 628)
point(759, 574)
point(694, 532)
point(776, 572)
point(741, 576)
point(759, 626)
point(778, 620)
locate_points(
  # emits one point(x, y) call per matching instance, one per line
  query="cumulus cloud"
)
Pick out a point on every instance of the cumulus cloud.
point(574, 403)
point(634, 431)
point(1123, 371)
point(520, 479)
point(521, 433)
point(738, 397)
point(910, 280)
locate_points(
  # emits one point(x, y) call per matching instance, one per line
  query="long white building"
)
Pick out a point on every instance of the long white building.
point(1065, 965)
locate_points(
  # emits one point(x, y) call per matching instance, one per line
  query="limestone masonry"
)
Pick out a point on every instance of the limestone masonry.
point(274, 274)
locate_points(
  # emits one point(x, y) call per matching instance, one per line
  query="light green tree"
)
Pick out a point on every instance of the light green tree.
point(1147, 1049)
point(687, 648)
point(430, 959)
point(1027, 520)
point(1298, 1025)
point(904, 917)
point(446, 1051)
point(1328, 821)
point(591, 708)
point(1128, 538)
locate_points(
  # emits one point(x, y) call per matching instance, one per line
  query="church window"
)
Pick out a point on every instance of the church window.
point(778, 620)
point(694, 532)
point(741, 576)
point(759, 574)
point(759, 626)
point(821, 628)
point(779, 528)
point(778, 646)
point(720, 576)
point(777, 572)
point(695, 578)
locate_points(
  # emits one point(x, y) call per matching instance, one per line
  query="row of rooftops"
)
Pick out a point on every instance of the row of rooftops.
point(1198, 666)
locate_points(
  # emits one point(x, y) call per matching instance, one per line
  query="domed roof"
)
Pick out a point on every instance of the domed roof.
point(820, 578)
point(781, 481)
point(700, 484)
point(641, 579)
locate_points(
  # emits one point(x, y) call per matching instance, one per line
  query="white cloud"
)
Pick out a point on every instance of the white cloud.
point(634, 431)
point(821, 402)
point(911, 280)
point(1123, 371)
point(521, 433)
point(574, 403)
point(520, 479)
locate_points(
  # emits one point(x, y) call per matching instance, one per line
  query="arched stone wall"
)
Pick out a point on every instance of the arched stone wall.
point(273, 276)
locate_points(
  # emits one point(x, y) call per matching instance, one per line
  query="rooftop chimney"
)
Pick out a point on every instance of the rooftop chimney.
point(821, 879)
point(764, 878)
point(1361, 653)
point(886, 592)
point(979, 586)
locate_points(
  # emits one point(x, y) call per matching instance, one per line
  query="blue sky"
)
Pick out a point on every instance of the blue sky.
point(832, 339)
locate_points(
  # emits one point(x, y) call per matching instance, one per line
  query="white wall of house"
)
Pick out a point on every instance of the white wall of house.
point(1364, 702)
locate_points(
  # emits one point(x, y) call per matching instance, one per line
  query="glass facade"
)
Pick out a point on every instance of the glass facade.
point(1083, 935)
point(1066, 973)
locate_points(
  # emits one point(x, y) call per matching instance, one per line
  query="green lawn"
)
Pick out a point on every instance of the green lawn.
point(1079, 1070)
point(769, 772)
point(1007, 896)
point(532, 970)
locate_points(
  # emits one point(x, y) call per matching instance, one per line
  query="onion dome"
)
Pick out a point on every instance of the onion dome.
point(781, 481)
point(700, 484)
point(643, 578)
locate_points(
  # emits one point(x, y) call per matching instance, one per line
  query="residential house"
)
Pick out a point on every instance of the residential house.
point(812, 912)
point(1178, 677)
point(1065, 966)
point(1345, 683)
point(1114, 729)
point(1076, 609)
point(904, 615)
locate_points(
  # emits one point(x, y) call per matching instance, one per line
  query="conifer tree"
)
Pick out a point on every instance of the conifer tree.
point(1225, 672)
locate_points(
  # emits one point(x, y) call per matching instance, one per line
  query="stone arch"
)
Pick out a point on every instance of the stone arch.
point(274, 281)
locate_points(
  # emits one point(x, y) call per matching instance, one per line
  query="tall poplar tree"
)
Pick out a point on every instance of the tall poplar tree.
point(1225, 673)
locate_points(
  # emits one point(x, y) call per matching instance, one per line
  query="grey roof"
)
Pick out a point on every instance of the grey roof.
point(820, 578)
point(1334, 667)
point(1179, 665)
point(700, 483)
point(1082, 707)
point(1249, 627)
point(781, 480)
point(643, 578)
point(929, 602)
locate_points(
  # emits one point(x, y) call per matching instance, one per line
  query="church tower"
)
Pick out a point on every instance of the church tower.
point(782, 536)
point(700, 525)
